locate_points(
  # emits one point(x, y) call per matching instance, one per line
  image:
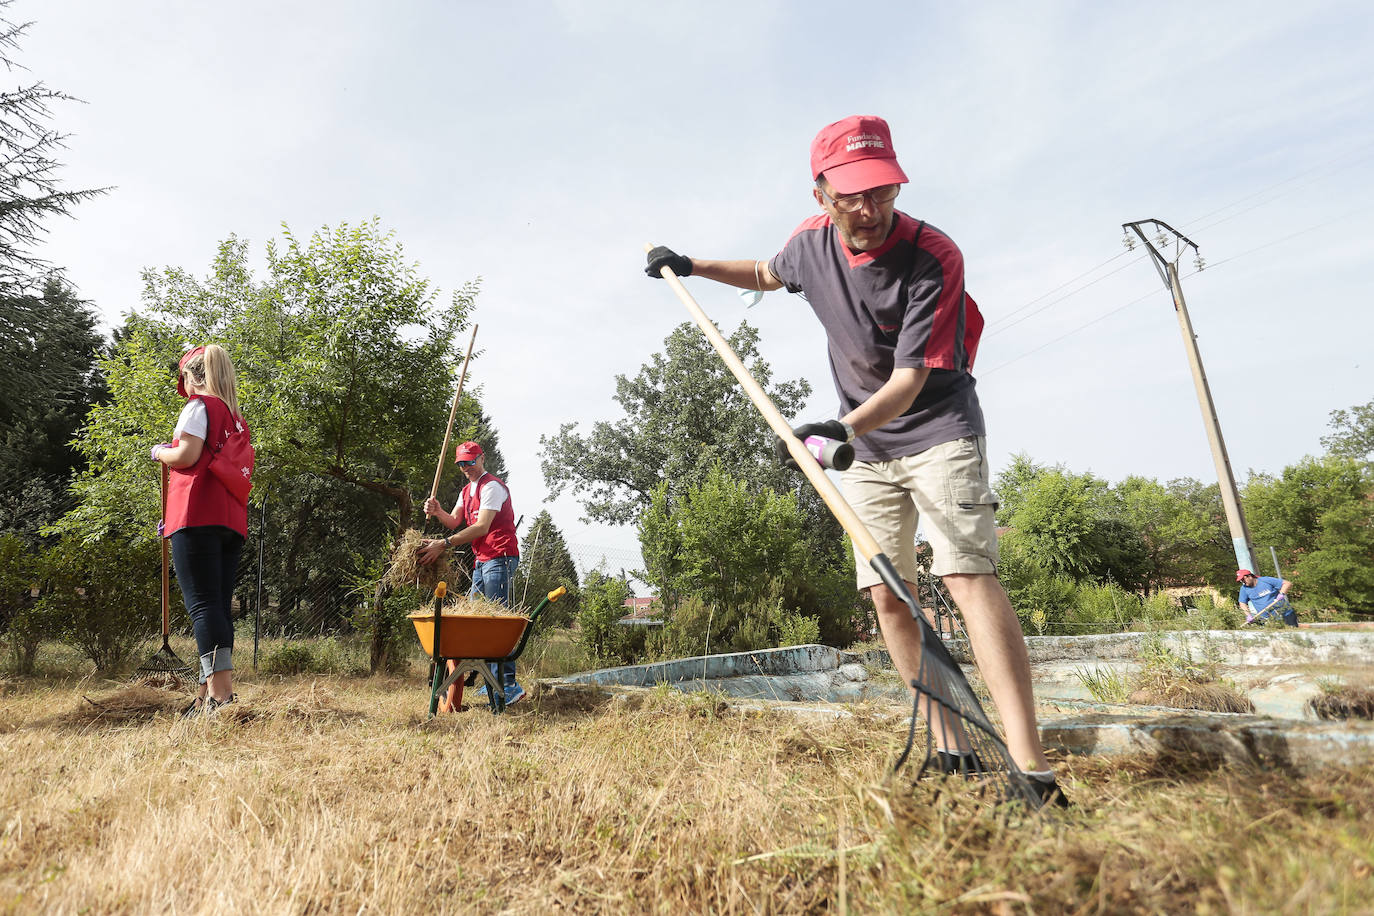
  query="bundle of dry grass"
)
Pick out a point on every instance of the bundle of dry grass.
point(131, 704)
point(471, 606)
point(406, 570)
point(1343, 701)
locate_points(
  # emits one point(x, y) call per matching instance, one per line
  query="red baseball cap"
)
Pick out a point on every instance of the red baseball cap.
point(181, 388)
point(468, 451)
point(856, 154)
point(1242, 573)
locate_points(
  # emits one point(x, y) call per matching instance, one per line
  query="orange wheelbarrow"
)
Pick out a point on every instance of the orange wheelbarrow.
point(472, 643)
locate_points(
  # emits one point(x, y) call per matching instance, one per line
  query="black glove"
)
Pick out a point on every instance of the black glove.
point(662, 257)
point(830, 429)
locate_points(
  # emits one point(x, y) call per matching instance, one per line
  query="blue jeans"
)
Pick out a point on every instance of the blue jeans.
point(206, 559)
point(491, 579)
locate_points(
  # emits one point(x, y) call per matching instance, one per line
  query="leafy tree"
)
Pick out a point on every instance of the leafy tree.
point(741, 551)
point(1012, 484)
point(546, 564)
point(29, 186)
point(603, 603)
point(37, 423)
point(331, 348)
point(1320, 514)
point(1352, 433)
point(684, 412)
point(1183, 526)
point(30, 193)
point(1073, 526)
point(18, 574)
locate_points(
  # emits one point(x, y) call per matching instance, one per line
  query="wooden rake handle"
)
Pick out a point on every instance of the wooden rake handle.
point(843, 512)
point(166, 584)
point(452, 412)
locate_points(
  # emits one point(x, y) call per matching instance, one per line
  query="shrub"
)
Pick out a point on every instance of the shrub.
point(289, 658)
point(105, 596)
point(1105, 608)
point(602, 605)
point(1207, 614)
point(796, 629)
point(24, 623)
point(1105, 685)
point(1041, 603)
point(324, 656)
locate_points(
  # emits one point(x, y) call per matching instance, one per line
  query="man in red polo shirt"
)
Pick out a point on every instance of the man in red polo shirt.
point(487, 521)
point(902, 332)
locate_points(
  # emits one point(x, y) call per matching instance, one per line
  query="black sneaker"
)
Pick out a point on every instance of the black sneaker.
point(193, 710)
point(1040, 792)
point(950, 763)
point(212, 705)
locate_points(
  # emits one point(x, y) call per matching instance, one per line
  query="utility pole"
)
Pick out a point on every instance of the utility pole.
point(1168, 272)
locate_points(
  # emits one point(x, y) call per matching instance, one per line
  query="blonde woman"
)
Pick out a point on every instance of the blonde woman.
point(206, 523)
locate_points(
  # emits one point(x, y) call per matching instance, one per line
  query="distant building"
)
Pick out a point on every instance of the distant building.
point(641, 612)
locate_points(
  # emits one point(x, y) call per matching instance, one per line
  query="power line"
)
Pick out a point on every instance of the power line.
point(1361, 154)
point(1212, 266)
point(1006, 326)
point(1085, 273)
point(1056, 340)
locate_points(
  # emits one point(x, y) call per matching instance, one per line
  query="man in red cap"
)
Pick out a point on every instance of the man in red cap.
point(889, 291)
point(487, 518)
point(1264, 598)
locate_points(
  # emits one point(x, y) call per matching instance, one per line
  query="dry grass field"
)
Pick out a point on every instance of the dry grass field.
point(334, 795)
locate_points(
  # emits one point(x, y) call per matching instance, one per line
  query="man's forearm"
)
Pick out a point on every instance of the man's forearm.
point(744, 274)
point(888, 402)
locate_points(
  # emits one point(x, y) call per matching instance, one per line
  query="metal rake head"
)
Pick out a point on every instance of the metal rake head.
point(164, 661)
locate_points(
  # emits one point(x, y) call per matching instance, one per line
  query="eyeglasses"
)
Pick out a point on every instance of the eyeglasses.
point(467, 464)
point(852, 203)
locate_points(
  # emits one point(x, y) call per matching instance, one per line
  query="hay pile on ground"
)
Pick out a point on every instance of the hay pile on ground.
point(1343, 701)
point(1181, 693)
point(131, 704)
point(406, 570)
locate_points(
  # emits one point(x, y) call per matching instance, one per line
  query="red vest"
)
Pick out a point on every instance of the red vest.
point(195, 497)
point(500, 539)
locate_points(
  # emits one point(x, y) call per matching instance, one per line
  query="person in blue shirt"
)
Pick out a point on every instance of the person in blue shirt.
point(1264, 597)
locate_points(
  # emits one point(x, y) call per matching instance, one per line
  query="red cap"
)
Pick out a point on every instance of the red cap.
point(1242, 573)
point(181, 388)
point(468, 451)
point(856, 154)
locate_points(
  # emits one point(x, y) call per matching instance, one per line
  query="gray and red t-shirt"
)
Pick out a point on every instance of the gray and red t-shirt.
point(901, 305)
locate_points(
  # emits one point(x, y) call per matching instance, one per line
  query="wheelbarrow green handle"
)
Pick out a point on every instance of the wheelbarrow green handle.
point(436, 672)
point(529, 627)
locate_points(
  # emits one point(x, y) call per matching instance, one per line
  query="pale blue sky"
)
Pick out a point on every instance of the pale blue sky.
point(538, 145)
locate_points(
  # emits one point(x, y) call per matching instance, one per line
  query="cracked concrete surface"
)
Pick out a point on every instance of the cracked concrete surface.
point(1278, 669)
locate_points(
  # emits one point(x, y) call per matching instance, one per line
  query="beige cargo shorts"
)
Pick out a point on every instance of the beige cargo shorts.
point(946, 490)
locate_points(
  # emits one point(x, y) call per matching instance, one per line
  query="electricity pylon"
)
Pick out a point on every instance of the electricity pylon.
point(1168, 272)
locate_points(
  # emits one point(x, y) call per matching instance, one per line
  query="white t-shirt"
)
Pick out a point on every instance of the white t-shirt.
point(492, 495)
point(194, 420)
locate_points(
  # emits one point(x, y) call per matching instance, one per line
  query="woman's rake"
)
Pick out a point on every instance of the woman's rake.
point(164, 661)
